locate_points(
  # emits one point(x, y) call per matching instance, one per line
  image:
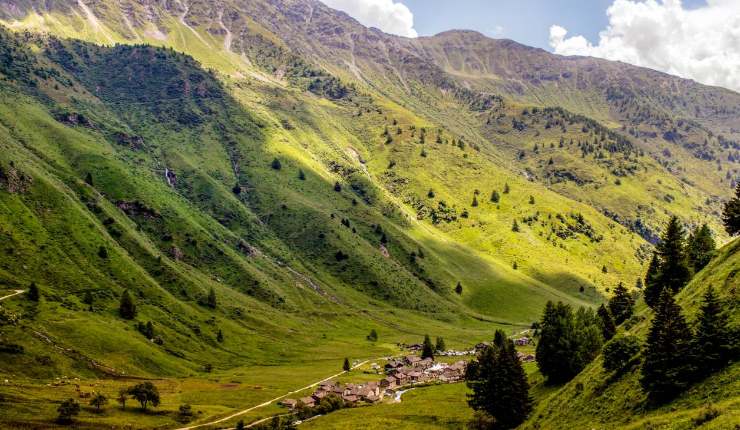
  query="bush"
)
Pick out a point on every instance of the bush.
point(618, 353)
point(67, 411)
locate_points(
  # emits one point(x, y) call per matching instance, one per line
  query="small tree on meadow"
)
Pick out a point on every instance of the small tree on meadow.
point(146, 394)
point(127, 307)
point(475, 202)
point(506, 188)
point(427, 350)
point(301, 175)
point(122, 397)
point(211, 300)
point(276, 164)
point(33, 292)
point(458, 288)
point(440, 345)
point(346, 366)
point(515, 227)
point(495, 197)
point(98, 401)
point(373, 336)
point(67, 411)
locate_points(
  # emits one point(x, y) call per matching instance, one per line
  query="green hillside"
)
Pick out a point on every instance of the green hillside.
point(320, 180)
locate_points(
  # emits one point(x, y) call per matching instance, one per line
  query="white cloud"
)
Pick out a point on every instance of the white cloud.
point(701, 43)
point(387, 15)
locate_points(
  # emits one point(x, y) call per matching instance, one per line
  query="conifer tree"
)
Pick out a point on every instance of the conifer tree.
point(506, 188)
point(666, 368)
point(700, 247)
point(731, 214)
point(127, 307)
point(621, 304)
point(652, 287)
point(515, 227)
point(495, 198)
point(211, 300)
point(608, 328)
point(439, 345)
point(276, 164)
point(33, 292)
point(346, 366)
point(427, 350)
point(499, 385)
point(459, 288)
point(475, 202)
point(713, 344)
point(337, 187)
point(220, 336)
point(89, 179)
point(674, 268)
point(301, 175)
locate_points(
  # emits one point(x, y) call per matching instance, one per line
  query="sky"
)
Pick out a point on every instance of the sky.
point(695, 39)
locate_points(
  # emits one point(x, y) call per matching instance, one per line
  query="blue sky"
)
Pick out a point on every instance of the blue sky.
point(526, 21)
point(695, 39)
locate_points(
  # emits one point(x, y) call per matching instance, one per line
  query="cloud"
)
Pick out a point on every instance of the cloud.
point(700, 43)
point(387, 15)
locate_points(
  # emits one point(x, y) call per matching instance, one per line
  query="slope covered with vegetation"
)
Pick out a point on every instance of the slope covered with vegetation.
point(269, 181)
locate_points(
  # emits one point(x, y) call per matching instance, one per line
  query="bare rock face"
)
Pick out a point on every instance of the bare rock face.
point(13, 180)
point(132, 141)
point(137, 208)
point(74, 119)
point(176, 253)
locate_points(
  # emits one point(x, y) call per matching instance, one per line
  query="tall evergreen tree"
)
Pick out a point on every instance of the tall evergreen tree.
point(211, 300)
point(731, 214)
point(127, 307)
point(700, 247)
point(495, 197)
point(674, 270)
point(346, 366)
point(652, 286)
point(499, 385)
point(713, 344)
point(458, 288)
point(621, 304)
point(427, 350)
point(608, 328)
point(666, 369)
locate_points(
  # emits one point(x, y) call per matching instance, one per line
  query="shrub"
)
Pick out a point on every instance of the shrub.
point(618, 353)
point(67, 411)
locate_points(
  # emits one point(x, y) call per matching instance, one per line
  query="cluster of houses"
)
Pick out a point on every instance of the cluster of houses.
point(403, 372)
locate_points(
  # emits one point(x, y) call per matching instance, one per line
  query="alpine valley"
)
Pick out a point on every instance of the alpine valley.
point(207, 206)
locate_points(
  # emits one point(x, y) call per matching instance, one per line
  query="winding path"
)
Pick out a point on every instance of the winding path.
point(261, 405)
point(12, 295)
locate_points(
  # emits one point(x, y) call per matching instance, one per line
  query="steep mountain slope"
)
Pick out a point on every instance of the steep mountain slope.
point(598, 397)
point(322, 178)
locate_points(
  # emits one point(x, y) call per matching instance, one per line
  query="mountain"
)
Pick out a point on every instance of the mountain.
point(321, 178)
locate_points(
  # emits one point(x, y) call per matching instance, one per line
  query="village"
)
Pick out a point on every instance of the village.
point(400, 374)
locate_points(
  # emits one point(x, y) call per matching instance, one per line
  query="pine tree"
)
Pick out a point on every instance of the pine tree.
point(713, 345)
point(608, 328)
point(459, 288)
point(220, 336)
point(475, 202)
point(531, 200)
point(652, 286)
point(33, 292)
point(89, 179)
point(211, 300)
point(621, 304)
point(427, 350)
point(666, 368)
point(127, 307)
point(499, 385)
point(439, 345)
point(337, 187)
point(515, 227)
point(506, 188)
point(373, 336)
point(700, 247)
point(731, 214)
point(346, 366)
point(674, 268)
point(276, 164)
point(430, 194)
point(301, 175)
point(495, 198)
